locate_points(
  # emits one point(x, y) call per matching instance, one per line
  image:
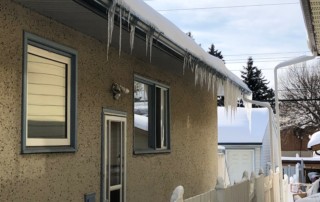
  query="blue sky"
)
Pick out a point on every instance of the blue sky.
point(270, 34)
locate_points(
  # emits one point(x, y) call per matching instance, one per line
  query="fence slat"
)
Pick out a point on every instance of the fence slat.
point(266, 189)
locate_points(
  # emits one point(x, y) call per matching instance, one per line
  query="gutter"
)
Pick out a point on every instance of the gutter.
point(267, 105)
point(100, 7)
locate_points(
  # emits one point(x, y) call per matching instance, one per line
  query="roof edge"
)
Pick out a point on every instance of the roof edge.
point(306, 11)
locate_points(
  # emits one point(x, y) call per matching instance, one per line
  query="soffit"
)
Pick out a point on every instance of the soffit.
point(75, 14)
point(315, 13)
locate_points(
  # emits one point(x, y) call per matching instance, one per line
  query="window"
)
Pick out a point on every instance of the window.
point(151, 116)
point(49, 97)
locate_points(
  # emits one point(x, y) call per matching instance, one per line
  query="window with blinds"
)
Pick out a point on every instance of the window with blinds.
point(49, 97)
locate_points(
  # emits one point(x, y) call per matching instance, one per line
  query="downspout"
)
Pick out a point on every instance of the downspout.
point(267, 105)
point(283, 64)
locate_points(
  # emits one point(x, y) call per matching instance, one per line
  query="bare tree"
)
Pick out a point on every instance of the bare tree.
point(300, 97)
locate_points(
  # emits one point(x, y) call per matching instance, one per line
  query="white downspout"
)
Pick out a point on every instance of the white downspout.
point(283, 64)
point(267, 105)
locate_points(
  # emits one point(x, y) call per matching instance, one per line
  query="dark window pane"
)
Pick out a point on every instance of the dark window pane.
point(115, 196)
point(46, 129)
point(115, 155)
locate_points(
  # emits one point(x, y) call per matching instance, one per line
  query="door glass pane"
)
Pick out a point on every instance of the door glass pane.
point(115, 196)
point(115, 153)
point(46, 98)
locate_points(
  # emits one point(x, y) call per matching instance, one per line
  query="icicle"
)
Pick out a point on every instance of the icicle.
point(150, 47)
point(209, 80)
point(214, 85)
point(111, 13)
point(132, 33)
point(189, 63)
point(196, 76)
point(184, 62)
point(248, 107)
point(128, 19)
point(147, 43)
point(120, 33)
point(202, 77)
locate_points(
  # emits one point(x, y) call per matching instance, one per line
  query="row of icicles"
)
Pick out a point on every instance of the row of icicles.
point(204, 74)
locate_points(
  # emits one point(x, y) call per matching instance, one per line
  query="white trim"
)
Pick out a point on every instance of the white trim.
point(113, 116)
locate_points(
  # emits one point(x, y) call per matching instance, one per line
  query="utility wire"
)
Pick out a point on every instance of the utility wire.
point(259, 58)
point(274, 53)
point(295, 100)
point(219, 7)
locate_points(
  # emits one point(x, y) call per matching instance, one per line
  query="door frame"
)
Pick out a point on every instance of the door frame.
point(108, 114)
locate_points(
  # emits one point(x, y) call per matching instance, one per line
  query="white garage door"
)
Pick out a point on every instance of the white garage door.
point(239, 161)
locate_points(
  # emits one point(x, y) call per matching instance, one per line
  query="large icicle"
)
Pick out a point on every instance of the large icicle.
point(151, 43)
point(196, 75)
point(147, 43)
point(120, 31)
point(248, 106)
point(111, 12)
point(132, 32)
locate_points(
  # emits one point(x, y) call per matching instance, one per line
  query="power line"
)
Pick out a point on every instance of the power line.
point(295, 100)
point(219, 7)
point(255, 61)
point(259, 58)
point(274, 53)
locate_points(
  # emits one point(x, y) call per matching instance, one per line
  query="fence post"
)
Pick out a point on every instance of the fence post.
point(259, 190)
point(177, 195)
point(251, 186)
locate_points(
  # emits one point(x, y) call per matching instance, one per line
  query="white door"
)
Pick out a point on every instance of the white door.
point(238, 161)
point(113, 158)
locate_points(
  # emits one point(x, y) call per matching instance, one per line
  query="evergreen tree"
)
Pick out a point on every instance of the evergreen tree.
point(189, 34)
point(214, 52)
point(252, 76)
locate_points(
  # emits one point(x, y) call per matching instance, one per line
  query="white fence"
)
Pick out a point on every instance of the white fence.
point(256, 189)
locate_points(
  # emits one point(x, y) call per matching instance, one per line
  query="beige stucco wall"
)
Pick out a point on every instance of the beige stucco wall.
point(68, 176)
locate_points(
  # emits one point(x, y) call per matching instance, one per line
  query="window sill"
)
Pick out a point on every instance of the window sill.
point(44, 149)
point(162, 151)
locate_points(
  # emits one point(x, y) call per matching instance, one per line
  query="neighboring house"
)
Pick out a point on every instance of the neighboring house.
point(71, 102)
point(247, 143)
point(294, 141)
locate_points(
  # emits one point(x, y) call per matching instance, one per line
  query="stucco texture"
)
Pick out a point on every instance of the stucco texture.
point(192, 161)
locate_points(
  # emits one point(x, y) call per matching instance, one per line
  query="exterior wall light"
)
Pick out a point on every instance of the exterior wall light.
point(117, 90)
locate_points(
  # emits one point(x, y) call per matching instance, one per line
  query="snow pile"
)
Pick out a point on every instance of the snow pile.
point(208, 69)
point(315, 140)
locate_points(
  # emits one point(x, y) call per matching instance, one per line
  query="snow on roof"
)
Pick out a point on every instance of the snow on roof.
point(236, 128)
point(284, 158)
point(141, 122)
point(151, 17)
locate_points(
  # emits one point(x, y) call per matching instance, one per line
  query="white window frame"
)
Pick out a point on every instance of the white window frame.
point(65, 60)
